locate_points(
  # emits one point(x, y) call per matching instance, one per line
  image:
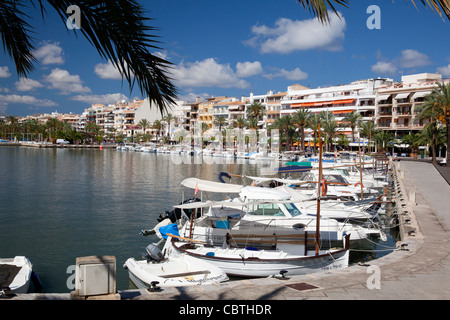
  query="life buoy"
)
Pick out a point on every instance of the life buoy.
point(359, 183)
point(324, 187)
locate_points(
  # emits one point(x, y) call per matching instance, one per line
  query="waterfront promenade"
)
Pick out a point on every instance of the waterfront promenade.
point(418, 269)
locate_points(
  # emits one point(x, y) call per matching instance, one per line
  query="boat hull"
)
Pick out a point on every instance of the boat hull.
point(175, 272)
point(21, 281)
point(249, 263)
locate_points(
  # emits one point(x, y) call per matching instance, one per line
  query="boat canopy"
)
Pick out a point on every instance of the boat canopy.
point(211, 186)
point(283, 181)
point(267, 194)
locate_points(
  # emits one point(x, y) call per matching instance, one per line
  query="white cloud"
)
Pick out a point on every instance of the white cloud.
point(50, 53)
point(4, 72)
point(248, 69)
point(103, 99)
point(65, 82)
point(107, 71)
point(412, 59)
point(207, 73)
point(294, 35)
point(384, 67)
point(445, 70)
point(14, 98)
point(25, 84)
point(295, 74)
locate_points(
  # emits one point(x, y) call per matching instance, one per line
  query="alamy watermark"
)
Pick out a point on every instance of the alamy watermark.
point(74, 19)
point(374, 20)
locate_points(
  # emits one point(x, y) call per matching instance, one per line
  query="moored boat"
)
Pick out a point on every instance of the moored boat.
point(174, 271)
point(15, 274)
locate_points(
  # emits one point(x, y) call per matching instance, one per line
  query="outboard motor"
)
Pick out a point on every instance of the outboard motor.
point(153, 253)
point(175, 214)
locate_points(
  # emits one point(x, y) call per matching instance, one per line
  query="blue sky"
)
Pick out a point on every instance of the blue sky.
point(233, 48)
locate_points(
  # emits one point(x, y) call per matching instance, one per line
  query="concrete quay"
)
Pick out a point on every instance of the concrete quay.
point(419, 269)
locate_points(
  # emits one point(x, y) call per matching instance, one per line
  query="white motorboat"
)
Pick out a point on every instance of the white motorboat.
point(15, 274)
point(171, 271)
point(264, 212)
point(289, 257)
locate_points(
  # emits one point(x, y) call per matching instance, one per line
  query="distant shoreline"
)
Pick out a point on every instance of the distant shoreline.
point(59, 146)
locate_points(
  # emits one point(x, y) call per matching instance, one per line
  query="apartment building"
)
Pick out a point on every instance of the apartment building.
point(397, 104)
point(358, 96)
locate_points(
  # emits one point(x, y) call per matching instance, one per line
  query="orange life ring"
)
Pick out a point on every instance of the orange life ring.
point(324, 187)
point(359, 183)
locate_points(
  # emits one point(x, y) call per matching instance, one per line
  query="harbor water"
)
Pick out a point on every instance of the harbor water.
point(60, 204)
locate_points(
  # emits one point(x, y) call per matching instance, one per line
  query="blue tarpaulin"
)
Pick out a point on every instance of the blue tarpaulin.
point(170, 228)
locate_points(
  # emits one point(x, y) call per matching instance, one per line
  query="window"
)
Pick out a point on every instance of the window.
point(266, 209)
point(293, 210)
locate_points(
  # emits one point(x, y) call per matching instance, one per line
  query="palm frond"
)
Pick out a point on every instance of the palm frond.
point(440, 6)
point(118, 30)
point(319, 8)
point(15, 36)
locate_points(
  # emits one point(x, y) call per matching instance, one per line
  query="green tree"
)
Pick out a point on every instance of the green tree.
point(117, 29)
point(144, 124)
point(437, 108)
point(368, 129)
point(413, 140)
point(313, 124)
point(286, 127)
point(353, 119)
point(383, 139)
point(300, 119)
point(330, 129)
point(256, 110)
point(220, 121)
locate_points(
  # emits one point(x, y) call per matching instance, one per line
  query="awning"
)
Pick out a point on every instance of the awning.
point(317, 104)
point(342, 111)
point(402, 96)
point(211, 186)
point(308, 104)
point(296, 105)
point(383, 97)
point(343, 101)
point(420, 94)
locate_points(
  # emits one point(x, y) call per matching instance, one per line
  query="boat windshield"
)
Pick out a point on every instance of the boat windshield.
point(293, 210)
point(265, 209)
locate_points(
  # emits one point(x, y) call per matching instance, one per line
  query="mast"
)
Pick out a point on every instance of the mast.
point(360, 167)
point(319, 195)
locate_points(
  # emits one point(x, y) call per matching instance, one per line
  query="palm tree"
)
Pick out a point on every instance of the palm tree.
point(313, 124)
point(413, 140)
point(437, 108)
point(330, 129)
point(256, 110)
point(300, 119)
point(367, 129)
point(285, 125)
point(320, 7)
point(240, 122)
point(353, 120)
point(117, 29)
point(158, 126)
point(434, 136)
point(144, 124)
point(383, 139)
point(220, 121)
point(168, 119)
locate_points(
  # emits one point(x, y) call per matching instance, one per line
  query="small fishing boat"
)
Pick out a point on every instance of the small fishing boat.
point(289, 257)
point(159, 270)
point(15, 274)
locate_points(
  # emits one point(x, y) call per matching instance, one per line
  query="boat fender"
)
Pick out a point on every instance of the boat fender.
point(154, 253)
point(298, 226)
point(324, 187)
point(223, 174)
